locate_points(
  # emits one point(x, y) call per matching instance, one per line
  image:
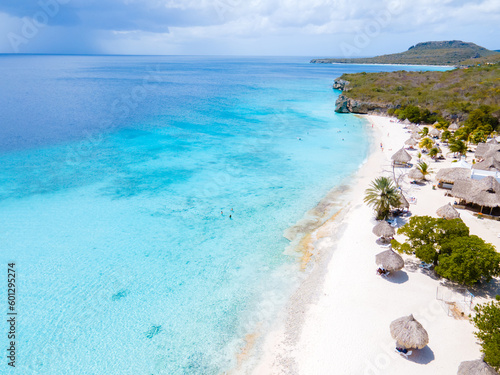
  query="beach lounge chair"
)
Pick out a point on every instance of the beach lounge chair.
point(425, 266)
point(404, 352)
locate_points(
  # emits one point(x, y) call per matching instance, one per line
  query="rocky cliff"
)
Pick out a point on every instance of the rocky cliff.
point(345, 104)
point(348, 105)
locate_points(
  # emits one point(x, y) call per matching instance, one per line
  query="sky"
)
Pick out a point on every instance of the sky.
point(318, 28)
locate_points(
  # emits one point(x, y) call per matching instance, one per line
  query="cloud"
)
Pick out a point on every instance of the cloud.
point(283, 26)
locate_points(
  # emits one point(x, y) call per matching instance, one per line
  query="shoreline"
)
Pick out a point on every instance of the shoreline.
point(382, 64)
point(339, 316)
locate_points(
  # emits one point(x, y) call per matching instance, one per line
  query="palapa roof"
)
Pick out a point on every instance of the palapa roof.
point(477, 367)
point(383, 229)
point(484, 192)
point(404, 202)
point(390, 260)
point(488, 164)
point(494, 153)
point(416, 134)
point(406, 122)
point(435, 133)
point(401, 156)
point(492, 141)
point(409, 333)
point(483, 149)
point(454, 127)
point(415, 174)
point(448, 212)
point(411, 142)
point(450, 175)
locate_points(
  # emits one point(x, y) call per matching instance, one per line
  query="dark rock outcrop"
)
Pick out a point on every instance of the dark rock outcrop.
point(348, 105)
point(341, 84)
point(341, 104)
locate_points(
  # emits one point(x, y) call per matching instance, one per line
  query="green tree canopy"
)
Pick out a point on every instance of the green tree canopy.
point(425, 235)
point(467, 260)
point(426, 143)
point(487, 321)
point(458, 147)
point(447, 244)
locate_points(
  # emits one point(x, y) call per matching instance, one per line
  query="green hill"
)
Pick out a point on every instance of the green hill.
point(451, 95)
point(454, 53)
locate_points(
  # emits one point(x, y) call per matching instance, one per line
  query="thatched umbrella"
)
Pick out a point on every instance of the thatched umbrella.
point(453, 127)
point(448, 212)
point(450, 175)
point(403, 202)
point(477, 367)
point(411, 142)
point(384, 229)
point(415, 174)
point(416, 134)
point(484, 193)
point(409, 333)
point(406, 122)
point(434, 133)
point(492, 141)
point(390, 260)
point(401, 156)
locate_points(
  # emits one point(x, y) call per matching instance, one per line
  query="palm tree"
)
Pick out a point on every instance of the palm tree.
point(458, 147)
point(423, 167)
point(433, 152)
point(426, 143)
point(445, 136)
point(382, 195)
point(424, 131)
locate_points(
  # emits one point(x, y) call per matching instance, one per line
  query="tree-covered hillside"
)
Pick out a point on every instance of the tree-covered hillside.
point(454, 52)
point(452, 94)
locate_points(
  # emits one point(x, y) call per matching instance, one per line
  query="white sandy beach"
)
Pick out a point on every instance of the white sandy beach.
point(338, 321)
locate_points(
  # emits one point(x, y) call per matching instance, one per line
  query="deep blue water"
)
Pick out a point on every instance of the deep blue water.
point(114, 173)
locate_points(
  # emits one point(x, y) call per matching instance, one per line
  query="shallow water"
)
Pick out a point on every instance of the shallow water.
point(114, 173)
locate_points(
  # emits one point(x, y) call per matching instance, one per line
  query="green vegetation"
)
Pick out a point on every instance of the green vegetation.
point(487, 321)
point(433, 152)
point(383, 196)
point(471, 96)
point(424, 168)
point(447, 244)
point(457, 147)
point(454, 52)
point(426, 143)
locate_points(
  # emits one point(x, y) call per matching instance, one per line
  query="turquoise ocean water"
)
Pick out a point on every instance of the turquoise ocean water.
point(114, 171)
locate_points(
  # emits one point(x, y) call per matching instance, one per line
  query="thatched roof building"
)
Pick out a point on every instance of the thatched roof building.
point(390, 260)
point(409, 333)
point(453, 127)
point(384, 229)
point(448, 212)
point(401, 157)
point(488, 164)
point(485, 149)
point(477, 367)
point(451, 175)
point(484, 193)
